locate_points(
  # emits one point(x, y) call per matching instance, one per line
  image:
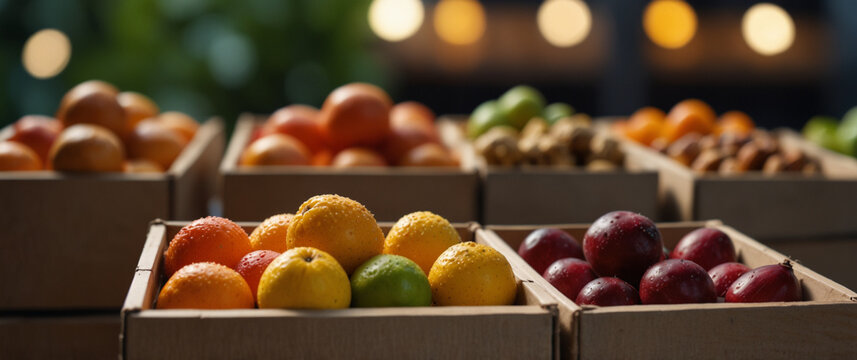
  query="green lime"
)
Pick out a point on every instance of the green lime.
point(847, 133)
point(389, 280)
point(521, 103)
point(486, 116)
point(822, 131)
point(556, 111)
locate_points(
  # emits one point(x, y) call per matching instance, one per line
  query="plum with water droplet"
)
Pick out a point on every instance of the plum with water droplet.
point(569, 275)
point(607, 291)
point(725, 274)
point(676, 281)
point(767, 283)
point(622, 244)
point(544, 246)
point(707, 247)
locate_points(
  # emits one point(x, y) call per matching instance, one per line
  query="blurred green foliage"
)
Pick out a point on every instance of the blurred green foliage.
point(203, 57)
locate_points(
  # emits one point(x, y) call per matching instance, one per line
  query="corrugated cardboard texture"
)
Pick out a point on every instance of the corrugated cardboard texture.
point(825, 326)
point(521, 331)
point(253, 194)
point(70, 241)
point(87, 337)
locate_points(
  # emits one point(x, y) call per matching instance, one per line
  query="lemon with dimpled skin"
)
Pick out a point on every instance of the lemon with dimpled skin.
point(304, 278)
point(472, 274)
point(421, 236)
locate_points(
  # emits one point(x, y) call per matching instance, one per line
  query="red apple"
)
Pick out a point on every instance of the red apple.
point(725, 274)
point(622, 244)
point(767, 283)
point(676, 281)
point(706, 247)
point(546, 245)
point(569, 275)
point(607, 291)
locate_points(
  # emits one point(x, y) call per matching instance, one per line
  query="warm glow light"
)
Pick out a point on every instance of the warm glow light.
point(564, 23)
point(395, 20)
point(669, 23)
point(459, 22)
point(768, 29)
point(46, 53)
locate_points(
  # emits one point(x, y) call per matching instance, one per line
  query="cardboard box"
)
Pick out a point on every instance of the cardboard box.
point(823, 326)
point(59, 336)
point(252, 194)
point(525, 330)
point(70, 240)
point(769, 208)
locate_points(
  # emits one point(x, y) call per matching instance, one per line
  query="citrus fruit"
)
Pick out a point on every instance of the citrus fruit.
point(822, 131)
point(304, 278)
point(86, 86)
point(87, 148)
point(179, 122)
point(142, 166)
point(553, 112)
point(357, 157)
point(645, 125)
point(421, 236)
point(484, 117)
point(300, 122)
point(205, 286)
point(413, 115)
point(153, 141)
point(275, 150)
point(212, 239)
point(735, 122)
point(38, 133)
point(342, 227)
point(521, 103)
point(253, 265)
point(389, 280)
point(689, 116)
point(472, 274)
point(18, 157)
point(430, 154)
point(356, 114)
point(138, 107)
point(404, 138)
point(94, 105)
point(271, 233)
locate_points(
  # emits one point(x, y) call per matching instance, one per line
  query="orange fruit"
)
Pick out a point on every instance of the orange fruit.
point(93, 104)
point(645, 125)
point(322, 158)
point(421, 236)
point(205, 286)
point(403, 139)
point(429, 154)
point(304, 278)
point(138, 107)
point(271, 233)
point(342, 227)
point(735, 122)
point(179, 122)
point(87, 148)
point(18, 157)
point(153, 141)
point(300, 122)
point(253, 265)
point(689, 116)
point(411, 114)
point(86, 86)
point(275, 150)
point(472, 274)
point(357, 157)
point(211, 239)
point(142, 166)
point(38, 133)
point(356, 114)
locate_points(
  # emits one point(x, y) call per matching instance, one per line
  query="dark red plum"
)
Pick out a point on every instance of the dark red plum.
point(767, 283)
point(569, 275)
point(622, 244)
point(707, 247)
point(676, 281)
point(725, 274)
point(607, 291)
point(544, 246)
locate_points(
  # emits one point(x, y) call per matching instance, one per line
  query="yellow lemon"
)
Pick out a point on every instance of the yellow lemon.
point(422, 237)
point(472, 274)
point(304, 278)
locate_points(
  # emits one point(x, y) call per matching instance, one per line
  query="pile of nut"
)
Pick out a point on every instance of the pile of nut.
point(732, 154)
point(567, 143)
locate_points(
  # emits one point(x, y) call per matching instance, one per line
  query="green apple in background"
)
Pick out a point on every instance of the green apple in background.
point(847, 133)
point(486, 116)
point(521, 103)
point(822, 131)
point(556, 111)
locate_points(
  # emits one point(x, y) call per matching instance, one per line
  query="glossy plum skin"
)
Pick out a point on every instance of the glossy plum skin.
point(607, 291)
point(769, 283)
point(622, 244)
point(569, 275)
point(725, 274)
point(544, 246)
point(676, 281)
point(707, 247)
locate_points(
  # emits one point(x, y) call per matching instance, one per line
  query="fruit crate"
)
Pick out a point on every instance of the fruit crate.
point(69, 240)
point(254, 193)
point(545, 195)
point(767, 207)
point(59, 336)
point(524, 330)
point(822, 326)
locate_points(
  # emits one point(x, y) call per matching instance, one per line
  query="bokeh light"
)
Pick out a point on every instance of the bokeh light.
point(46, 53)
point(459, 22)
point(564, 23)
point(768, 29)
point(395, 20)
point(669, 23)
